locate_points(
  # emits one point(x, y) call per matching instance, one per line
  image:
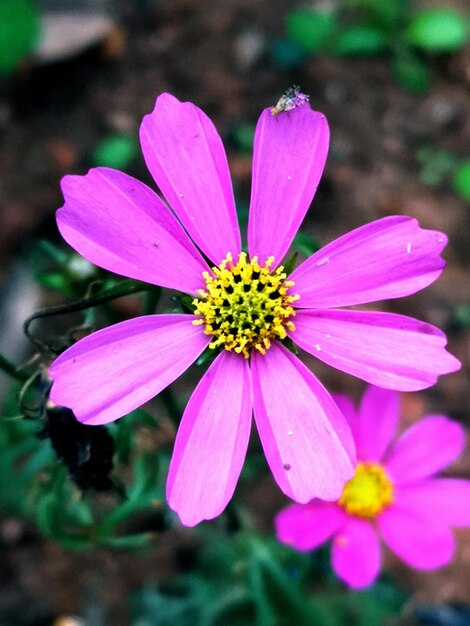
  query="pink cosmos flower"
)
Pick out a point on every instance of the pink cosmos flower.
point(244, 306)
point(394, 493)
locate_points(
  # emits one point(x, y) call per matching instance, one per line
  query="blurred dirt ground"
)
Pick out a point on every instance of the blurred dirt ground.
point(217, 54)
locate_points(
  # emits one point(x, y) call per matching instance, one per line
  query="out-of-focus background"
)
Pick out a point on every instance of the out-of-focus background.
point(76, 77)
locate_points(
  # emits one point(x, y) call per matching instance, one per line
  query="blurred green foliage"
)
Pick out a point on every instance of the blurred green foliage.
point(19, 32)
point(242, 136)
point(461, 180)
point(251, 579)
point(238, 575)
point(442, 166)
point(435, 165)
point(286, 54)
point(35, 485)
point(361, 40)
point(41, 466)
point(411, 70)
point(311, 29)
point(408, 37)
point(117, 150)
point(438, 30)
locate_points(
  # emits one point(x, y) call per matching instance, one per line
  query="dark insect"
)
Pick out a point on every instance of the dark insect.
point(87, 451)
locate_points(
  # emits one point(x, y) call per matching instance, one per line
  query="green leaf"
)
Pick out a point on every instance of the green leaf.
point(48, 515)
point(177, 605)
point(438, 30)
point(435, 165)
point(146, 470)
point(123, 436)
point(79, 511)
point(117, 151)
point(234, 607)
point(243, 136)
point(387, 592)
point(139, 540)
point(386, 15)
point(13, 492)
point(310, 29)
point(289, 604)
point(41, 456)
point(19, 32)
point(53, 252)
point(116, 517)
point(186, 303)
point(144, 489)
point(55, 281)
point(461, 182)
point(361, 40)
point(290, 345)
point(305, 244)
point(206, 357)
point(287, 54)
point(72, 542)
point(290, 263)
point(141, 416)
point(264, 610)
point(242, 212)
point(411, 72)
point(362, 608)
point(461, 316)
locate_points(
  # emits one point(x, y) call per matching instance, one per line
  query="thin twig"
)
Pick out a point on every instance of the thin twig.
point(11, 369)
point(119, 291)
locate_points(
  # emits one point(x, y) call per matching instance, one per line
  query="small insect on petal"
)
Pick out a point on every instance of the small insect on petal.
point(290, 99)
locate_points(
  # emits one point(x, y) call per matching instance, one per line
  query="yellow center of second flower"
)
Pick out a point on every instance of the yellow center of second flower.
point(244, 306)
point(368, 492)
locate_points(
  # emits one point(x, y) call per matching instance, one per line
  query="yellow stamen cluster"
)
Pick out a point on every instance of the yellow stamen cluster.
point(368, 493)
point(244, 306)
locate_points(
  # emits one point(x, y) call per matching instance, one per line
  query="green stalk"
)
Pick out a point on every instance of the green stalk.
point(123, 289)
point(12, 370)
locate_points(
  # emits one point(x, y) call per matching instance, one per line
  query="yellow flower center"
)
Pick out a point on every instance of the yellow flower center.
point(368, 492)
point(244, 306)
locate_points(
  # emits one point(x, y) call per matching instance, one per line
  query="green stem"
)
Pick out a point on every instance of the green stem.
point(59, 256)
point(150, 301)
point(123, 289)
point(169, 400)
point(12, 370)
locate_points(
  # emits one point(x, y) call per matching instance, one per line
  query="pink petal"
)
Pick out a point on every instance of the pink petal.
point(446, 500)
point(211, 442)
point(306, 526)
point(355, 554)
point(113, 371)
point(288, 160)
point(306, 440)
point(120, 224)
point(384, 349)
point(185, 155)
point(388, 258)
point(376, 422)
point(424, 449)
point(415, 539)
point(347, 408)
